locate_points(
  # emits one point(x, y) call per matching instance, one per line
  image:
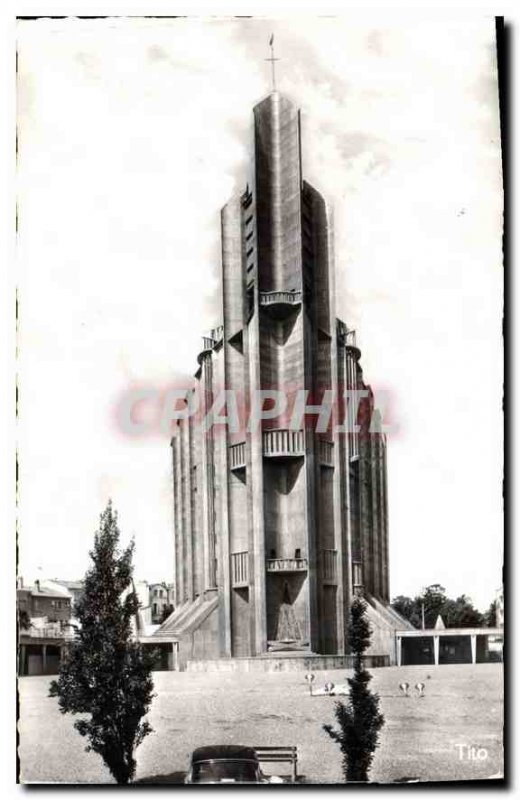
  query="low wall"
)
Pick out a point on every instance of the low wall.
point(282, 663)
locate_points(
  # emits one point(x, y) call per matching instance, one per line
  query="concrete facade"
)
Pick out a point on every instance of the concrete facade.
point(277, 527)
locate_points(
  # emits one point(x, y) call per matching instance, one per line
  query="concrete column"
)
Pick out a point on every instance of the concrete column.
point(436, 649)
point(375, 528)
point(473, 648)
point(365, 515)
point(180, 557)
point(186, 506)
point(255, 486)
point(176, 598)
point(340, 485)
point(384, 502)
point(399, 647)
point(21, 661)
point(220, 445)
point(278, 184)
point(208, 477)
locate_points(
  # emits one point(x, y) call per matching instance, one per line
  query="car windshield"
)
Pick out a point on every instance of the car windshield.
point(227, 771)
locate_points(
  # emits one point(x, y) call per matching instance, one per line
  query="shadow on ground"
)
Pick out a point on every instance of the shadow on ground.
point(172, 777)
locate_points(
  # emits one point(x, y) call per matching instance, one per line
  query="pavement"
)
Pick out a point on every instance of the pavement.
point(454, 732)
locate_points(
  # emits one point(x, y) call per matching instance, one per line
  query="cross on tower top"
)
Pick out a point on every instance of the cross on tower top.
point(272, 59)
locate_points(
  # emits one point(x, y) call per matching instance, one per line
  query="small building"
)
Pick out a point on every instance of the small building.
point(440, 645)
point(74, 588)
point(161, 601)
point(46, 630)
point(40, 601)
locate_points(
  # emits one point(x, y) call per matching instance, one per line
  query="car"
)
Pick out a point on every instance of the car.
point(225, 763)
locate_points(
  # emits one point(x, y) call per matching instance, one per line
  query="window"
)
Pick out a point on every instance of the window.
point(297, 553)
point(247, 199)
point(272, 553)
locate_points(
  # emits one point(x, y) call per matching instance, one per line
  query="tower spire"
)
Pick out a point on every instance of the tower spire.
point(272, 60)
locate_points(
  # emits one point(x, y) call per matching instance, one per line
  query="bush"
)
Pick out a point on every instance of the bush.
point(359, 720)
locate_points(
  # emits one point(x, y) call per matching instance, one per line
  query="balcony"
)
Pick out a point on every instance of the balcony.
point(210, 341)
point(237, 456)
point(240, 570)
point(217, 334)
point(347, 338)
point(326, 453)
point(49, 632)
point(286, 565)
point(280, 303)
point(282, 443)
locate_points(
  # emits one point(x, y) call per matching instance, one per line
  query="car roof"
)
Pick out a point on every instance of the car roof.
point(224, 751)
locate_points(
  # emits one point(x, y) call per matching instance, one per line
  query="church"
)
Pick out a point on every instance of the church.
point(277, 526)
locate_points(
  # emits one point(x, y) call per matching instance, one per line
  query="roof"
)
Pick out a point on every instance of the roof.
point(418, 632)
point(224, 751)
point(43, 592)
point(71, 584)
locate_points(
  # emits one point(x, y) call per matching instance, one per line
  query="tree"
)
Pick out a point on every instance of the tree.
point(24, 621)
point(490, 617)
point(105, 674)
point(360, 720)
point(407, 608)
point(458, 613)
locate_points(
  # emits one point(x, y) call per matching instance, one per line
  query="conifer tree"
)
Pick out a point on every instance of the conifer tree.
point(105, 674)
point(359, 720)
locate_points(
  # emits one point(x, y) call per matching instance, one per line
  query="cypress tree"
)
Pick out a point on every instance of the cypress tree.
point(105, 674)
point(359, 720)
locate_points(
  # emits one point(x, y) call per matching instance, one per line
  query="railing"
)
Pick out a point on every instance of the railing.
point(207, 344)
point(330, 566)
point(239, 569)
point(237, 455)
point(217, 333)
point(286, 565)
point(326, 452)
point(348, 337)
point(282, 442)
point(48, 633)
point(292, 297)
point(213, 338)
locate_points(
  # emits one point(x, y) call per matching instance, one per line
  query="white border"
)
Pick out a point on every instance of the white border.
point(273, 8)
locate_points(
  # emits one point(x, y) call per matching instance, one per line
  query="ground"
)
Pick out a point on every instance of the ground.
point(463, 705)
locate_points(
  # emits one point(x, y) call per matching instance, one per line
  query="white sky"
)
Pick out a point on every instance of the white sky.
point(132, 135)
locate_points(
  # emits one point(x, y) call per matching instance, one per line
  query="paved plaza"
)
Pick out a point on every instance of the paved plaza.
point(429, 738)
